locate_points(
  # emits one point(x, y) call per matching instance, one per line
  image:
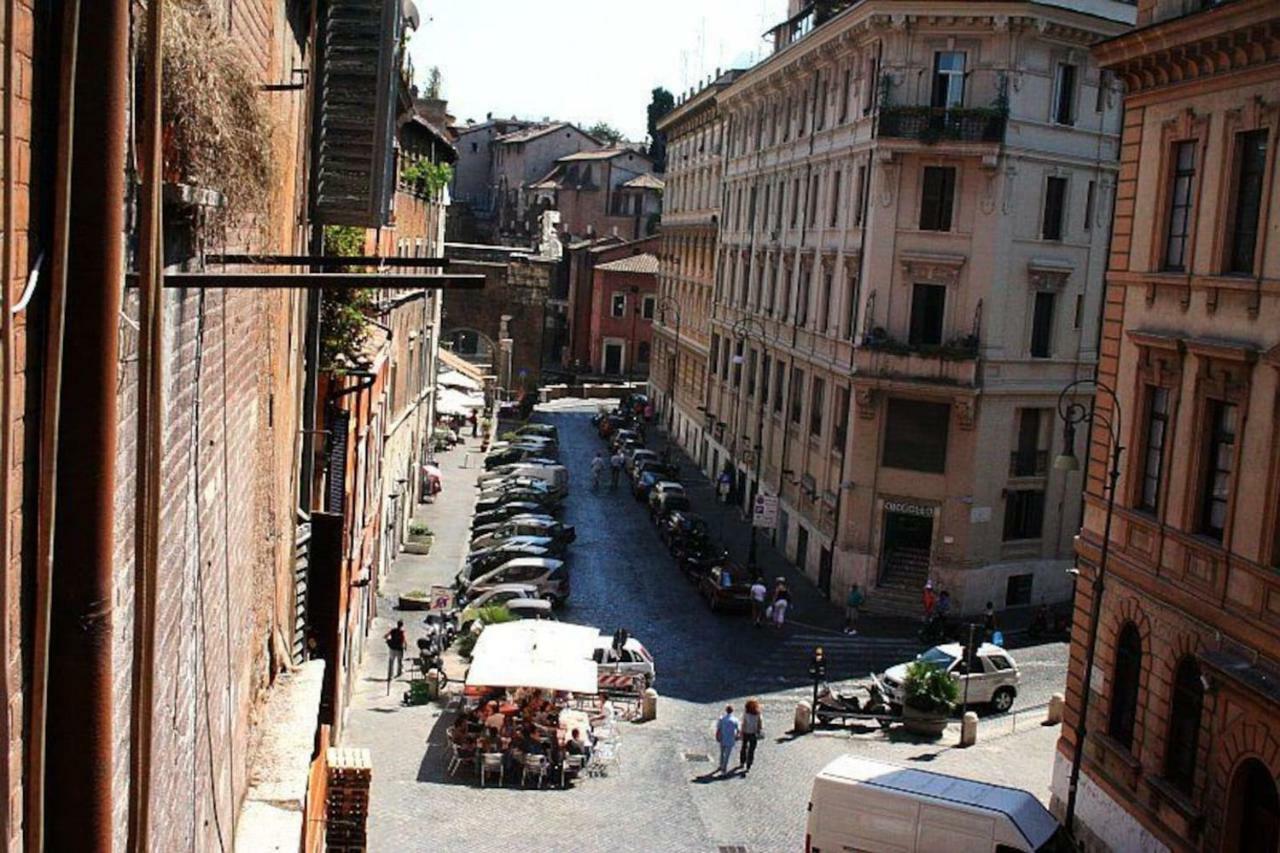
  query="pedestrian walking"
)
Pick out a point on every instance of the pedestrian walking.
point(758, 594)
point(781, 601)
point(852, 607)
point(989, 622)
point(395, 650)
point(615, 468)
point(597, 468)
point(929, 601)
point(727, 731)
point(475, 423)
point(752, 729)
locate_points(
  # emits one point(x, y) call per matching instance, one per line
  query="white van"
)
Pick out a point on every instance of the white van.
point(873, 807)
point(555, 476)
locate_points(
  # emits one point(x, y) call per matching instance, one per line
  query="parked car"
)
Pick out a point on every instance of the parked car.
point(726, 587)
point(548, 446)
point(544, 430)
point(549, 575)
point(682, 524)
point(531, 608)
point(509, 455)
point(637, 455)
point(633, 659)
point(520, 481)
point(667, 471)
point(493, 500)
point(663, 503)
point(610, 424)
point(501, 594)
point(621, 437)
point(523, 525)
point(643, 484)
point(557, 476)
point(486, 559)
point(698, 560)
point(861, 804)
point(993, 681)
point(504, 511)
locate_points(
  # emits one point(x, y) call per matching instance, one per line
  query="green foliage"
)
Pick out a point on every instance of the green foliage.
point(493, 615)
point(605, 132)
point(343, 312)
point(417, 528)
point(424, 177)
point(662, 103)
point(435, 83)
point(929, 689)
point(346, 241)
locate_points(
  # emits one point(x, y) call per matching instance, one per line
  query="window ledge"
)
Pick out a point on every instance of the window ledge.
point(1175, 807)
point(1115, 760)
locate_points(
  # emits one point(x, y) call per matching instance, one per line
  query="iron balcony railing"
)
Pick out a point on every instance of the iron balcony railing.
point(934, 124)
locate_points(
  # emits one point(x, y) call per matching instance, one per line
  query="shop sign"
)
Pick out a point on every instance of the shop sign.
point(906, 508)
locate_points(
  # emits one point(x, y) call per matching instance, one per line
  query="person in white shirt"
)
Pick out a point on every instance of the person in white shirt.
point(758, 593)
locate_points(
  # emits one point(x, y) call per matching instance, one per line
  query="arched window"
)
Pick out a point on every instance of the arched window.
point(1124, 685)
point(1184, 725)
point(1253, 810)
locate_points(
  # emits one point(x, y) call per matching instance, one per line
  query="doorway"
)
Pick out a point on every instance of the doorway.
point(613, 359)
point(1253, 810)
point(802, 546)
point(824, 571)
point(908, 541)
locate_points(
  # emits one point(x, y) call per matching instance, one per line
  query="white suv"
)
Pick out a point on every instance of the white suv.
point(994, 683)
point(634, 659)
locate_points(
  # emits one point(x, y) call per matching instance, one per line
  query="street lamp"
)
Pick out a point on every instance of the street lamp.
point(750, 329)
point(665, 304)
point(1072, 414)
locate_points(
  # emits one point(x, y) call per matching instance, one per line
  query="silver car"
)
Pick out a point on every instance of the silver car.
point(994, 682)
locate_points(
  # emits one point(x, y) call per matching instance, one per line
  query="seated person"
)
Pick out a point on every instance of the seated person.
point(496, 720)
point(575, 745)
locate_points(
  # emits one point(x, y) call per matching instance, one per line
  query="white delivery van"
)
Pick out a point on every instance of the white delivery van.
point(871, 807)
point(555, 476)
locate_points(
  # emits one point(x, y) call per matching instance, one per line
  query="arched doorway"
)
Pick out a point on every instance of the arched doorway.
point(1253, 810)
point(475, 346)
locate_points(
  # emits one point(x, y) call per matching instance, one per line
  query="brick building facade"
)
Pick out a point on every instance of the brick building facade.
point(623, 307)
point(1182, 745)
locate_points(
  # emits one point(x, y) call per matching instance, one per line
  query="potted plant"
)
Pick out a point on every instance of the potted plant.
point(929, 697)
point(419, 539)
point(491, 615)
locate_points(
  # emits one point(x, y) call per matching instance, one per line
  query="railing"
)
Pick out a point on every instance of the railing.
point(1033, 463)
point(934, 124)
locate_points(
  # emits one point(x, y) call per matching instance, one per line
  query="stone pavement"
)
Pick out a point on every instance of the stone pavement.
point(661, 797)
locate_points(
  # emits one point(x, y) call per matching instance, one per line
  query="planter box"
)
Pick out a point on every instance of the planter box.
point(419, 544)
point(928, 724)
point(409, 601)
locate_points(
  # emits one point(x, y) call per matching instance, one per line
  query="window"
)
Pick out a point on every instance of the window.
point(812, 217)
point(737, 364)
point(1055, 200)
point(1023, 514)
point(764, 209)
point(915, 435)
point(779, 377)
point(714, 360)
point(1153, 438)
point(860, 203)
point(1184, 725)
point(1042, 325)
point(1000, 663)
point(619, 305)
point(1251, 159)
point(840, 421)
point(1124, 686)
point(948, 79)
point(1219, 459)
point(818, 390)
point(937, 198)
point(797, 394)
point(821, 106)
point(795, 203)
point(1088, 204)
point(764, 379)
point(1017, 592)
point(835, 200)
point(751, 373)
point(847, 82)
point(772, 301)
point(1030, 459)
point(1064, 94)
point(928, 304)
point(1075, 323)
point(802, 298)
point(777, 217)
point(648, 307)
point(869, 84)
point(823, 320)
point(1180, 191)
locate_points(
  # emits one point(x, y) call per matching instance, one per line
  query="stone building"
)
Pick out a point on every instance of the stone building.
point(520, 159)
point(913, 221)
point(610, 191)
point(624, 303)
point(696, 130)
point(472, 212)
point(1182, 750)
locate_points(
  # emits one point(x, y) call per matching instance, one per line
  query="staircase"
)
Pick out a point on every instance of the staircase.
point(905, 572)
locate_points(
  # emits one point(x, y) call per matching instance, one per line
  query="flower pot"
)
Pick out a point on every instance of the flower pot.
point(411, 601)
point(924, 723)
point(418, 543)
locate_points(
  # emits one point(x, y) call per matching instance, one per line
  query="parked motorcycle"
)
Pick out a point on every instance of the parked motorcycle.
point(697, 564)
point(839, 707)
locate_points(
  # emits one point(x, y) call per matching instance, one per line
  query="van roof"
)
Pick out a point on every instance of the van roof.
point(1023, 810)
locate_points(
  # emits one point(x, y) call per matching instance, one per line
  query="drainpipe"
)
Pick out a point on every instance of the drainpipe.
point(79, 745)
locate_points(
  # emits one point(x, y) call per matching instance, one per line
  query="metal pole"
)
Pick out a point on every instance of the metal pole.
point(964, 701)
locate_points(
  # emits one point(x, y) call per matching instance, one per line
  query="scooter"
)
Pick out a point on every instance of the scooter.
point(833, 706)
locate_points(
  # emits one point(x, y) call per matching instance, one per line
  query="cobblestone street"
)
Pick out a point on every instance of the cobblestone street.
point(661, 797)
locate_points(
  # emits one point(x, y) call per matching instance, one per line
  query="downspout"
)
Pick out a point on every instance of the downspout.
point(315, 247)
point(150, 437)
point(80, 757)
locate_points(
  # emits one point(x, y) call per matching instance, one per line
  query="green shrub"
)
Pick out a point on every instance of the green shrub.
point(929, 689)
point(417, 528)
point(492, 615)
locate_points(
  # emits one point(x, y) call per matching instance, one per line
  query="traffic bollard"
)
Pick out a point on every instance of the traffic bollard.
point(804, 717)
point(969, 729)
point(649, 706)
point(1054, 716)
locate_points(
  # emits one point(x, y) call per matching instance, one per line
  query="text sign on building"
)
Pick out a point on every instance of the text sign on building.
point(764, 513)
point(909, 508)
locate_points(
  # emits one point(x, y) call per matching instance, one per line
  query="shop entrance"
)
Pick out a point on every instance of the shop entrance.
point(908, 540)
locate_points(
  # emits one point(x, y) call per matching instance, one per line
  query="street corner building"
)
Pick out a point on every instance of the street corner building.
point(205, 473)
point(887, 242)
point(1181, 745)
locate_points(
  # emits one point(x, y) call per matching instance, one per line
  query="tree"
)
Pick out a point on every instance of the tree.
point(605, 132)
point(663, 102)
point(435, 83)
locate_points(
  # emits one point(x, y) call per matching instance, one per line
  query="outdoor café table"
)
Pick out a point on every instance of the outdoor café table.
point(570, 720)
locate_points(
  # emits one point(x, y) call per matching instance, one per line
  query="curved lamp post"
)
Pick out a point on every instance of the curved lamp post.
point(665, 304)
point(1072, 415)
point(750, 329)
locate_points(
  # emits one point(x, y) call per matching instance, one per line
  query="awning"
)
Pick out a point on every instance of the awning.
point(457, 379)
point(535, 653)
point(450, 401)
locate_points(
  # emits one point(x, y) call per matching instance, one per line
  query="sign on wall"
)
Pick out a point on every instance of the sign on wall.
point(764, 512)
point(906, 508)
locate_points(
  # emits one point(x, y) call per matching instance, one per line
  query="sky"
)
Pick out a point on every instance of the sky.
point(582, 60)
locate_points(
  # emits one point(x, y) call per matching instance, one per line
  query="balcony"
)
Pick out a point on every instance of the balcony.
point(954, 363)
point(930, 125)
point(1033, 463)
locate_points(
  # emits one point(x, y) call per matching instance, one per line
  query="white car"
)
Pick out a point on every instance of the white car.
point(550, 576)
point(666, 487)
point(994, 684)
point(634, 659)
point(501, 594)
